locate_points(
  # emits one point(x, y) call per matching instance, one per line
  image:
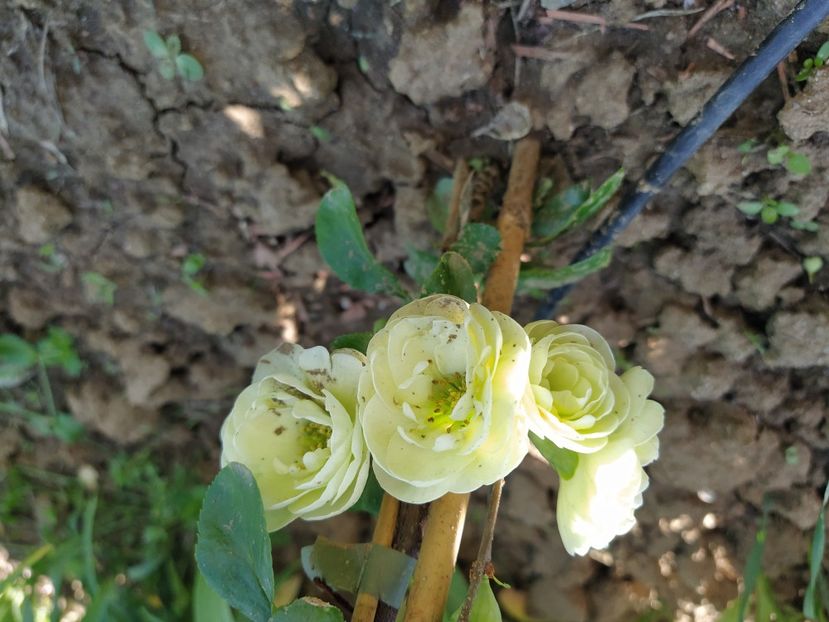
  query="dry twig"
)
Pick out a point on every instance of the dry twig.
point(585, 18)
point(714, 10)
point(712, 44)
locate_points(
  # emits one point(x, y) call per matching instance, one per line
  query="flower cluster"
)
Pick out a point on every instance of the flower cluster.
point(444, 401)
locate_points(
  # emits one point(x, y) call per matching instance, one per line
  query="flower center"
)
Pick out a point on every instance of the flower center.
point(446, 392)
point(314, 436)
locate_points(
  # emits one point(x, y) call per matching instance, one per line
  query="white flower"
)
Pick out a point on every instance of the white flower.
point(580, 401)
point(296, 429)
point(598, 502)
point(441, 399)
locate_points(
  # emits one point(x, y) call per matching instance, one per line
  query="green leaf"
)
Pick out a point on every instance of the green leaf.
point(208, 606)
point(353, 568)
point(810, 599)
point(553, 218)
point(437, 205)
point(173, 45)
point(57, 349)
point(189, 68)
point(452, 276)
point(98, 288)
point(478, 244)
point(343, 246)
point(803, 75)
point(765, 605)
point(371, 498)
point(784, 208)
point(457, 594)
point(308, 610)
point(798, 164)
point(87, 532)
point(155, 44)
point(531, 278)
point(17, 358)
point(484, 607)
point(233, 550)
point(769, 214)
point(823, 52)
point(812, 265)
point(355, 341)
point(754, 563)
point(420, 264)
point(192, 264)
point(320, 133)
point(597, 199)
point(564, 461)
point(804, 225)
point(777, 155)
point(747, 146)
point(750, 208)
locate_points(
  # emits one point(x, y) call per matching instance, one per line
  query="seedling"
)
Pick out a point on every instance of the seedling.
point(813, 63)
point(770, 210)
point(191, 266)
point(812, 265)
point(98, 288)
point(170, 59)
point(795, 163)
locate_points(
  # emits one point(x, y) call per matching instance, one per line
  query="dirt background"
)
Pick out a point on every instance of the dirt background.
point(126, 173)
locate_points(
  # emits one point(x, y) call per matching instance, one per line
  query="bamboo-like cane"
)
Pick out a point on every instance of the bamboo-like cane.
point(444, 526)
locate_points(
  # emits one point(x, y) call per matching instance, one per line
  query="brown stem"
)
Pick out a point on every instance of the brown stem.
point(514, 226)
point(453, 221)
point(444, 526)
point(366, 604)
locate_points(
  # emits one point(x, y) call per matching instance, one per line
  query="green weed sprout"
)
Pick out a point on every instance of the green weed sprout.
point(98, 288)
point(795, 163)
point(191, 266)
point(170, 59)
point(812, 265)
point(771, 210)
point(813, 63)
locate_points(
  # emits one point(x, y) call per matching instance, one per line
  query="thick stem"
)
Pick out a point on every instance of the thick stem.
point(514, 226)
point(366, 604)
point(436, 564)
point(444, 526)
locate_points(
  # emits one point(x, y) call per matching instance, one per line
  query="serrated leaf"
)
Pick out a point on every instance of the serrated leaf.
point(564, 461)
point(343, 246)
point(233, 550)
point(173, 45)
point(536, 278)
point(371, 498)
point(420, 264)
point(189, 67)
point(208, 606)
point(308, 610)
point(17, 358)
point(553, 218)
point(454, 276)
point(437, 205)
point(355, 341)
point(479, 244)
point(798, 163)
point(810, 599)
point(750, 208)
point(155, 44)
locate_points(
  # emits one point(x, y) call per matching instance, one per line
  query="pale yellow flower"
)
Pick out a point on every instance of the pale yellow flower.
point(580, 400)
point(296, 429)
point(598, 502)
point(441, 399)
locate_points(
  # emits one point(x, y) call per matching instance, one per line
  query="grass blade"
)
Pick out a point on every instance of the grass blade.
point(810, 605)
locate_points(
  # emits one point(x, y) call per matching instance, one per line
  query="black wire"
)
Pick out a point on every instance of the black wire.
point(805, 17)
